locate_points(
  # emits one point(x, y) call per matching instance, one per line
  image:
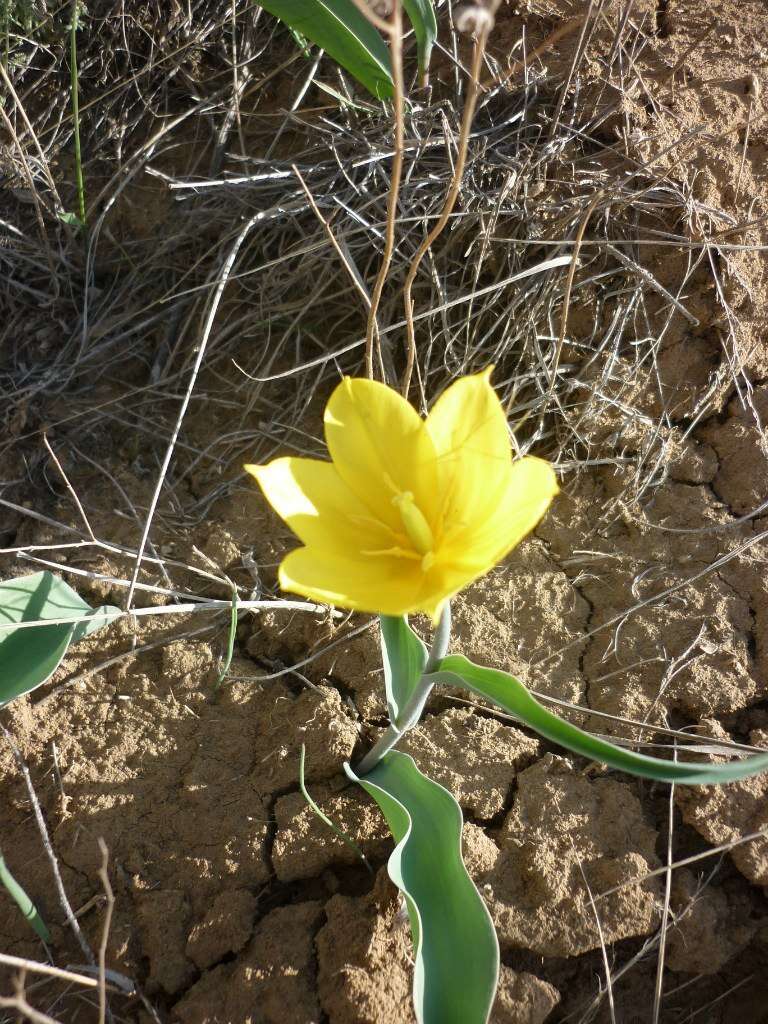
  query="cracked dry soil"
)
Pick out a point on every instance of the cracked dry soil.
point(235, 904)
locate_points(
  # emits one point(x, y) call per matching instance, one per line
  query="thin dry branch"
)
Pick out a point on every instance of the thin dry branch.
point(468, 113)
point(110, 897)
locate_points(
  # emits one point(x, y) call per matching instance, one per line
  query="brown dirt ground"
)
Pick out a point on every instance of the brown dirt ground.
point(234, 904)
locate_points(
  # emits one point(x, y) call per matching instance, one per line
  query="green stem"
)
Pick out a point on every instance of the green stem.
point(441, 640)
point(230, 642)
point(414, 706)
point(76, 114)
point(23, 902)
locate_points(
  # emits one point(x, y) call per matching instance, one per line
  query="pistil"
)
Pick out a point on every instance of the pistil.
point(417, 528)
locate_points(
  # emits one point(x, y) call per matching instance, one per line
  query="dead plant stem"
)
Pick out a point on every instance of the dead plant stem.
point(46, 839)
point(104, 877)
point(467, 117)
point(567, 292)
point(76, 112)
point(19, 1003)
point(221, 285)
point(47, 969)
point(69, 487)
point(353, 275)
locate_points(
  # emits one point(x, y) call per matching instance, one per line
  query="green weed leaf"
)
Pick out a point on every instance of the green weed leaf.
point(456, 951)
point(344, 33)
point(320, 813)
point(511, 695)
point(29, 656)
point(405, 657)
point(422, 16)
point(23, 902)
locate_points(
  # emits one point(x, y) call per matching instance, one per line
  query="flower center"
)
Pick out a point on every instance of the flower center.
point(415, 524)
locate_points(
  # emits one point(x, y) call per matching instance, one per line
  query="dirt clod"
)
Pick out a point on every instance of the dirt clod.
point(475, 758)
point(273, 972)
point(566, 840)
point(523, 998)
point(305, 846)
point(225, 928)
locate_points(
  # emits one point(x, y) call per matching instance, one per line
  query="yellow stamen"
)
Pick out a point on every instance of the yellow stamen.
point(368, 521)
point(414, 522)
point(397, 552)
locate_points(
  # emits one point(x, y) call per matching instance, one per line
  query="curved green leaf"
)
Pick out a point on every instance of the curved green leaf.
point(422, 16)
point(344, 33)
point(511, 695)
point(405, 657)
point(30, 656)
point(22, 901)
point(456, 951)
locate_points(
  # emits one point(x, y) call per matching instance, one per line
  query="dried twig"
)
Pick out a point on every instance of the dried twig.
point(19, 1003)
point(24, 964)
point(104, 877)
point(48, 846)
point(470, 101)
point(69, 487)
point(396, 51)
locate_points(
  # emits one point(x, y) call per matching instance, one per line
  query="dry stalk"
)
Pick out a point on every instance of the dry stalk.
point(48, 846)
point(468, 114)
point(104, 877)
point(36, 142)
point(19, 1003)
point(567, 290)
point(538, 51)
point(578, 54)
point(47, 969)
point(754, 97)
point(351, 271)
point(221, 284)
point(69, 487)
point(664, 927)
point(36, 200)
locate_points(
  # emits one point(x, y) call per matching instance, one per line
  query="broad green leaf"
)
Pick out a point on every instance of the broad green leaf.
point(511, 695)
point(405, 657)
point(23, 902)
point(343, 32)
point(29, 656)
point(422, 16)
point(456, 952)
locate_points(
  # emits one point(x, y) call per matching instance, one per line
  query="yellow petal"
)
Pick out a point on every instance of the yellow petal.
point(530, 486)
point(469, 432)
point(381, 585)
point(380, 448)
point(319, 507)
point(439, 585)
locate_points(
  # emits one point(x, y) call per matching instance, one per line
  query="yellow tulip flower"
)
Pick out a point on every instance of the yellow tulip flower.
point(410, 510)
